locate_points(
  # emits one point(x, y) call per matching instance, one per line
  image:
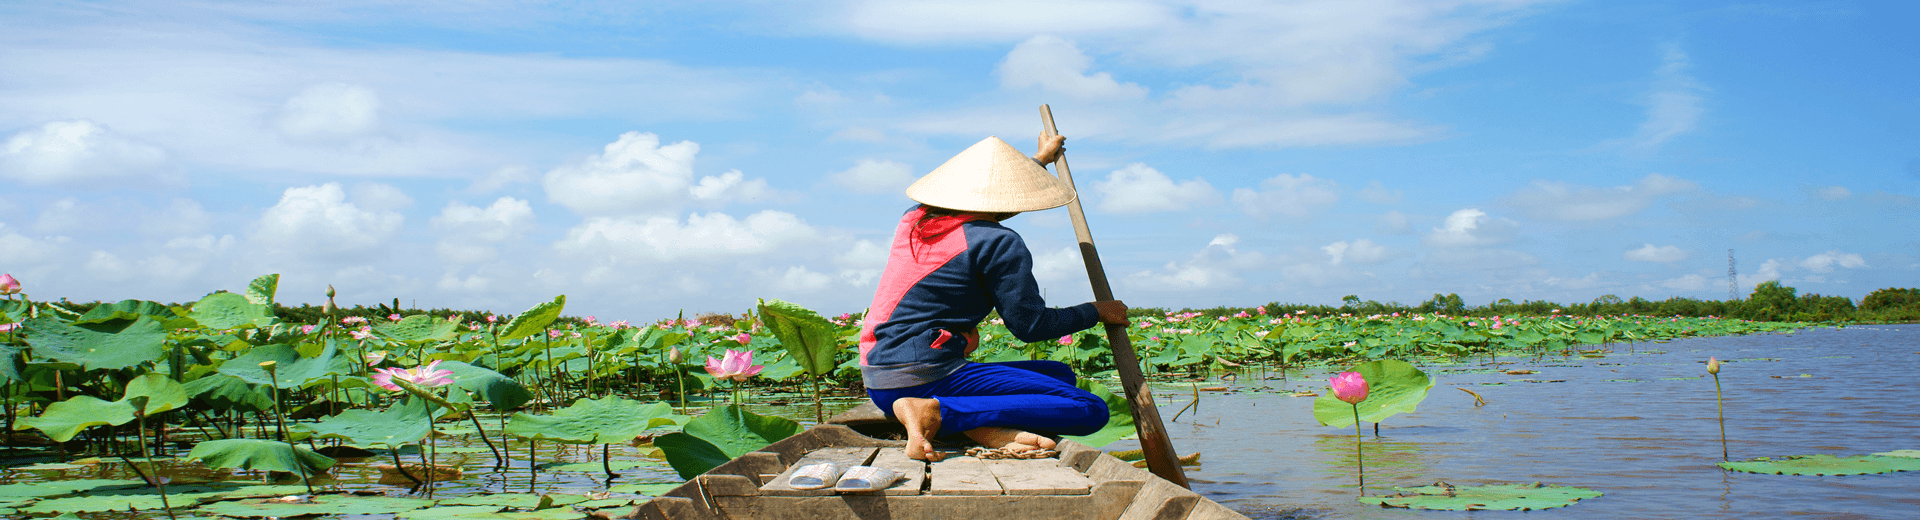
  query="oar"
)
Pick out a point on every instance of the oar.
point(1146, 416)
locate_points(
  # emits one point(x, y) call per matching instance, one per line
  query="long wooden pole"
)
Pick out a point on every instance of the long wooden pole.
point(1146, 415)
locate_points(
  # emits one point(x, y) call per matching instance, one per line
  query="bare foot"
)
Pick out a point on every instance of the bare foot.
point(993, 438)
point(922, 419)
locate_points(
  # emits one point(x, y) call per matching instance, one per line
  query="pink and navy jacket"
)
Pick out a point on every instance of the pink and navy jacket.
point(943, 276)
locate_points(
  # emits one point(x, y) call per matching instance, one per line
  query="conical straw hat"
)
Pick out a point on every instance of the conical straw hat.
point(991, 177)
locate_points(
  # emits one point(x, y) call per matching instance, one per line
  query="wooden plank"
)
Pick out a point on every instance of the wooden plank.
point(1161, 500)
point(791, 449)
point(1104, 503)
point(1078, 456)
point(1106, 468)
point(913, 472)
point(1210, 510)
point(760, 466)
point(1038, 477)
point(962, 476)
point(846, 457)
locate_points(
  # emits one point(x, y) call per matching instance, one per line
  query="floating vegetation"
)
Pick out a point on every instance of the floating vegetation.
point(1823, 465)
point(1442, 496)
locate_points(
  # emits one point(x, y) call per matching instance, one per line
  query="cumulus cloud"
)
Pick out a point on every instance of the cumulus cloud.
point(1216, 266)
point(81, 153)
point(1287, 195)
point(636, 175)
point(1691, 282)
point(1825, 262)
point(875, 176)
point(861, 263)
point(712, 236)
point(1360, 251)
point(1555, 200)
point(319, 219)
point(330, 111)
point(470, 232)
point(1394, 222)
point(1138, 188)
point(1056, 65)
point(1470, 228)
point(1656, 254)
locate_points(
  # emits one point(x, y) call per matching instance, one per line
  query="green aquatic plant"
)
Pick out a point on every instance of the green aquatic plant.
point(1351, 388)
point(720, 435)
point(1713, 368)
point(1442, 496)
point(808, 338)
point(1394, 387)
point(1826, 465)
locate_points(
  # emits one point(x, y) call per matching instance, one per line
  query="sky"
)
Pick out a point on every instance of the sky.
point(645, 158)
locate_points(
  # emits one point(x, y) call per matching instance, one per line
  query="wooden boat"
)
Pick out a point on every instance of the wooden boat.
point(1081, 483)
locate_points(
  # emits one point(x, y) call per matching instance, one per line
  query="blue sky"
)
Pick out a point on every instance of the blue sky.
point(643, 159)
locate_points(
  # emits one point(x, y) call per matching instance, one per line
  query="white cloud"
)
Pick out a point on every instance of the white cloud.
point(1138, 188)
point(1691, 282)
point(1360, 251)
point(181, 217)
point(1589, 281)
point(976, 20)
point(330, 111)
point(713, 236)
point(1056, 65)
point(1215, 267)
point(1555, 200)
point(1834, 193)
point(1059, 265)
point(1288, 195)
point(17, 249)
point(319, 219)
point(1656, 254)
point(1472, 227)
point(875, 176)
point(1674, 105)
point(635, 175)
point(470, 232)
point(1394, 222)
point(799, 279)
point(373, 196)
point(1825, 262)
point(81, 153)
point(1378, 194)
point(502, 177)
point(1769, 270)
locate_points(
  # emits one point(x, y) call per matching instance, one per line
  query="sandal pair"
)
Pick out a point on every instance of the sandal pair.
point(855, 479)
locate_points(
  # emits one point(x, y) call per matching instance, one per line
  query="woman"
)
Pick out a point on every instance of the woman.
point(951, 264)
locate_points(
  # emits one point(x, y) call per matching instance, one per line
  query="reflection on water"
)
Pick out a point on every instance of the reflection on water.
point(1638, 427)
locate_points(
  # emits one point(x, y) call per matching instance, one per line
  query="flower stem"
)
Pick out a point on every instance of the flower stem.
point(1722, 405)
point(281, 418)
point(1359, 457)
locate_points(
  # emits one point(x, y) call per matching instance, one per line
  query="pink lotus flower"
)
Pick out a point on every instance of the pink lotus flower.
point(743, 338)
point(1262, 309)
point(352, 320)
point(393, 317)
point(375, 357)
point(306, 329)
point(591, 320)
point(427, 376)
point(1349, 387)
point(1496, 325)
point(364, 333)
point(737, 365)
point(8, 327)
point(8, 285)
point(1066, 340)
point(492, 318)
point(555, 334)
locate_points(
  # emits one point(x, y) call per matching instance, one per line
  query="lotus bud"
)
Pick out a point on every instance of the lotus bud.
point(1713, 366)
point(329, 291)
point(269, 365)
point(1349, 387)
point(673, 355)
point(8, 285)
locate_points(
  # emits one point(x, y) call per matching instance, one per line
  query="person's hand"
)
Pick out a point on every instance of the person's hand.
point(1050, 148)
point(1112, 311)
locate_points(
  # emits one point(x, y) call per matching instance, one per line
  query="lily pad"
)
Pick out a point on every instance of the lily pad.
point(589, 421)
point(652, 489)
point(397, 426)
point(1825, 465)
point(1900, 453)
point(259, 454)
point(319, 505)
point(446, 511)
point(618, 465)
point(1393, 386)
point(517, 500)
point(501, 391)
point(65, 419)
point(62, 487)
point(292, 370)
point(1119, 417)
point(162, 393)
point(225, 392)
point(114, 343)
point(1442, 496)
point(723, 433)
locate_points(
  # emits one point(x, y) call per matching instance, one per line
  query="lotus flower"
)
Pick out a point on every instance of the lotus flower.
point(1349, 387)
point(8, 327)
point(1713, 366)
point(743, 338)
point(375, 357)
point(427, 376)
point(1066, 340)
point(8, 285)
point(737, 365)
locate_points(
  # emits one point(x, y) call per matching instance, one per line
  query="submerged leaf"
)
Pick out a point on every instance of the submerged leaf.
point(1442, 496)
point(1825, 465)
point(1393, 386)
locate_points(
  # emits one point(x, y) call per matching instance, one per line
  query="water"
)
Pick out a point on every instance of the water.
point(1650, 445)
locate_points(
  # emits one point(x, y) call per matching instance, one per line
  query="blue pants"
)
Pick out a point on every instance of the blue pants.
point(1035, 395)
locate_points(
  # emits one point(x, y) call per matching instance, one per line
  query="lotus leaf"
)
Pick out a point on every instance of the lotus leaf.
point(1119, 417)
point(535, 319)
point(501, 391)
point(127, 309)
point(62, 487)
point(99, 503)
point(400, 425)
point(419, 327)
point(721, 434)
point(517, 500)
point(221, 311)
point(222, 391)
point(589, 421)
point(320, 505)
point(809, 339)
point(1393, 386)
point(258, 454)
point(1900, 453)
point(1825, 465)
point(65, 419)
point(1442, 496)
point(652, 489)
point(293, 371)
point(261, 290)
point(162, 394)
point(617, 465)
point(446, 511)
point(116, 343)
